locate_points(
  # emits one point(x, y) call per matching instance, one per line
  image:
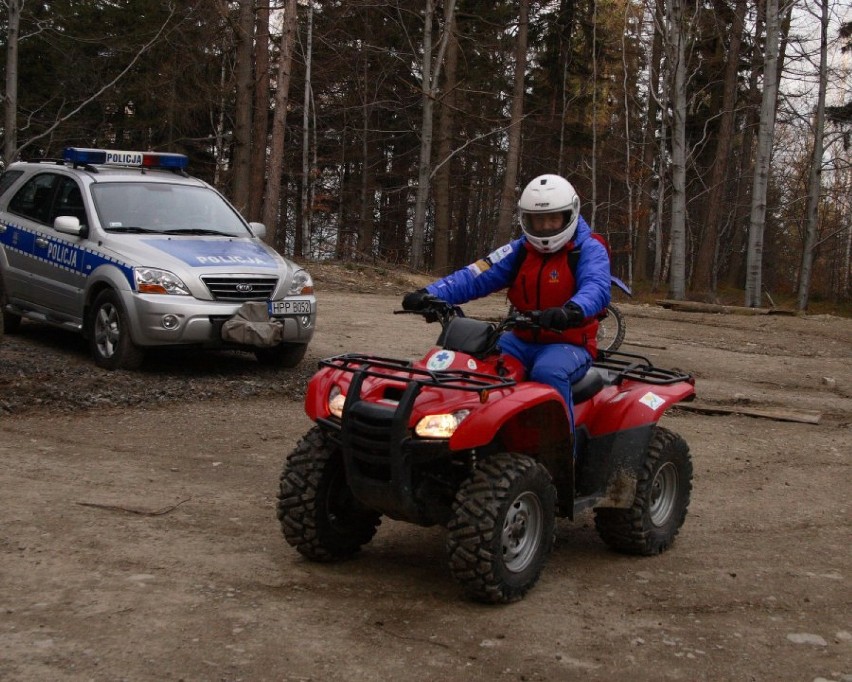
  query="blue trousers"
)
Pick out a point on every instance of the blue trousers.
point(555, 364)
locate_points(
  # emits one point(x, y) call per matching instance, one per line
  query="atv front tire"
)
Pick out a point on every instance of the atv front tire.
point(502, 528)
point(318, 514)
point(662, 497)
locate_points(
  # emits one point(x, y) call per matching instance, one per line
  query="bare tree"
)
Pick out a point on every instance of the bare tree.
point(304, 247)
point(260, 125)
point(272, 213)
point(757, 223)
point(242, 115)
point(430, 77)
point(676, 52)
point(513, 153)
point(815, 175)
point(704, 277)
point(10, 101)
point(446, 121)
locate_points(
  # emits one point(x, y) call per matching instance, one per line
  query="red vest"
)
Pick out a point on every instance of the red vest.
point(545, 280)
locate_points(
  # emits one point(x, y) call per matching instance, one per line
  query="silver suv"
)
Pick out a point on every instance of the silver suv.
point(127, 249)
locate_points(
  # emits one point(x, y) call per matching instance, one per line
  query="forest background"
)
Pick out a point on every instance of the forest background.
point(708, 140)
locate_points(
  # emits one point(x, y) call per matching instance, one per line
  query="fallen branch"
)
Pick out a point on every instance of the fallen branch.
point(130, 510)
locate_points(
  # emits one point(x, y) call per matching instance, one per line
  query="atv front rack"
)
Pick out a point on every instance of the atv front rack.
point(384, 463)
point(389, 368)
point(621, 366)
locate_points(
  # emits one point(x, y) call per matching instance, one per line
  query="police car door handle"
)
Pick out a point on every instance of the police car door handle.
point(41, 242)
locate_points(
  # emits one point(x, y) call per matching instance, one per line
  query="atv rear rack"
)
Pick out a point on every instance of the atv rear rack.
point(621, 366)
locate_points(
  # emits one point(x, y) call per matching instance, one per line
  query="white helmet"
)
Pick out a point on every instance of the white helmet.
point(549, 194)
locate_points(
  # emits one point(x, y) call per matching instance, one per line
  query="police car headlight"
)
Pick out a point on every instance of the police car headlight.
point(302, 284)
point(440, 425)
point(154, 281)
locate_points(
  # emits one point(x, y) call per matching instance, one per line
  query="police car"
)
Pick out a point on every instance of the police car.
point(127, 249)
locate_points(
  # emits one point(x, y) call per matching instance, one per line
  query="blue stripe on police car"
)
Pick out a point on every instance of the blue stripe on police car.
point(58, 253)
point(215, 252)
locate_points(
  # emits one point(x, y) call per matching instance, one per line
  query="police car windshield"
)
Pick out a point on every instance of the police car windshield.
point(140, 208)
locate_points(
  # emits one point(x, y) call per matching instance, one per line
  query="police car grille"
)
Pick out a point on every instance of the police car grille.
point(241, 288)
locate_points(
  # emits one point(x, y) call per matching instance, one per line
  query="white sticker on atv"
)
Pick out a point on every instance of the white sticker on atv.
point(441, 360)
point(471, 364)
point(652, 400)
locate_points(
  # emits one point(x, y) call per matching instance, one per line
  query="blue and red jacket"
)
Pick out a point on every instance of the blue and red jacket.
point(579, 273)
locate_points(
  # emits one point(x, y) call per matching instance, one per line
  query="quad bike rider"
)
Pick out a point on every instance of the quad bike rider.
point(467, 437)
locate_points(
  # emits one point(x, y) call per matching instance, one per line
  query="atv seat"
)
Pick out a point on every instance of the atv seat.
point(467, 336)
point(588, 386)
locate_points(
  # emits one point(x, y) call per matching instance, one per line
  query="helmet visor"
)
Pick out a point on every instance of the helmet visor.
point(544, 225)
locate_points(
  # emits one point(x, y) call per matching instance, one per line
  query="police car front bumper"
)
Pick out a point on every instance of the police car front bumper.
point(162, 320)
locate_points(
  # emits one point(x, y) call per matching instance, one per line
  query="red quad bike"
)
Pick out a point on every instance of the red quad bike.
point(460, 439)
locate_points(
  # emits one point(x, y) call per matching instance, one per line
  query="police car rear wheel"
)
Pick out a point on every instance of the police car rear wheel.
point(109, 335)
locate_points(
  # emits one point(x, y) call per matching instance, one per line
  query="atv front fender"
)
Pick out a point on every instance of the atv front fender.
point(531, 417)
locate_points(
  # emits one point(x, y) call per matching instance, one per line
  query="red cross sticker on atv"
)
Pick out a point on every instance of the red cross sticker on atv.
point(459, 438)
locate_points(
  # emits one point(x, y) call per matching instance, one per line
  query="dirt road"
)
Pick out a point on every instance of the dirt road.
point(139, 538)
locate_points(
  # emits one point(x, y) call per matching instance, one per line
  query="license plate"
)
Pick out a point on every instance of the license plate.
point(288, 307)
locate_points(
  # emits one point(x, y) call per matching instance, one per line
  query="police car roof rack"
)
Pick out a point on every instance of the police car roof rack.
point(58, 162)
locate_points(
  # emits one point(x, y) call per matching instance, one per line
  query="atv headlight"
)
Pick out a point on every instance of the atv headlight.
point(440, 425)
point(336, 398)
point(154, 281)
point(301, 285)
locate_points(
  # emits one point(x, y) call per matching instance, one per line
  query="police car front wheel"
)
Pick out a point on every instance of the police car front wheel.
point(109, 334)
point(283, 355)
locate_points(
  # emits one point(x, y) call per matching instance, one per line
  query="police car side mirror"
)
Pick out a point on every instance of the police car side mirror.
point(258, 230)
point(68, 225)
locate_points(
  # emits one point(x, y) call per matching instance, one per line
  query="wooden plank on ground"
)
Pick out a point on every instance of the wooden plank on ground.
point(699, 307)
point(777, 413)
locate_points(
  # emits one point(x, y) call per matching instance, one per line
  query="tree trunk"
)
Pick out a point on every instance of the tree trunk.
point(303, 245)
point(814, 183)
point(649, 153)
point(704, 278)
point(757, 223)
point(260, 120)
point(271, 210)
point(10, 113)
point(242, 115)
point(677, 52)
point(509, 195)
point(366, 217)
point(443, 175)
point(429, 86)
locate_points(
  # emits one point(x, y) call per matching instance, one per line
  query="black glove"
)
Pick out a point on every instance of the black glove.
point(574, 313)
point(559, 319)
point(416, 300)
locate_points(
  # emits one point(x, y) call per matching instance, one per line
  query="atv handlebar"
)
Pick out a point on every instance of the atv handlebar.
point(438, 310)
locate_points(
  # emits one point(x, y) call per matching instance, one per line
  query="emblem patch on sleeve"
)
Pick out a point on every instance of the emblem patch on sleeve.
point(485, 264)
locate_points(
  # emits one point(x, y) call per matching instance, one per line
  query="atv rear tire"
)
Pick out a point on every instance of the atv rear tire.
point(659, 507)
point(318, 514)
point(502, 528)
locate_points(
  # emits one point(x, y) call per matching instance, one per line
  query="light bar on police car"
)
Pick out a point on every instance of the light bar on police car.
point(112, 157)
